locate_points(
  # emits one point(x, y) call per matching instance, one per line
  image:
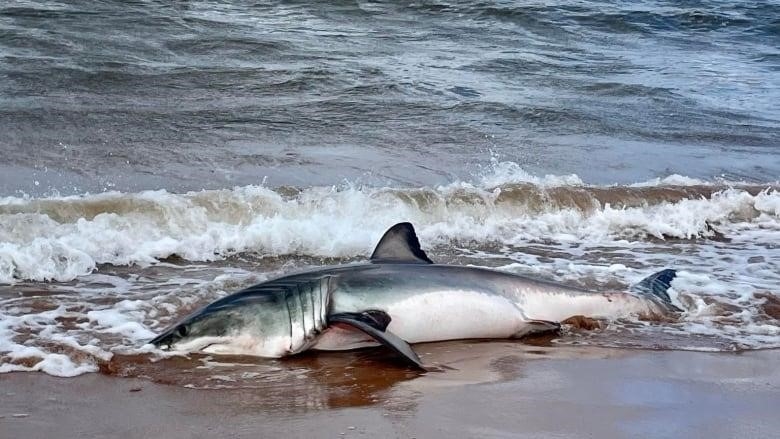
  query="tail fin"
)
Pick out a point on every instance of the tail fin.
point(656, 286)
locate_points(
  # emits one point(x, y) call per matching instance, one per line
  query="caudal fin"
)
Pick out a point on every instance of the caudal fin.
point(656, 286)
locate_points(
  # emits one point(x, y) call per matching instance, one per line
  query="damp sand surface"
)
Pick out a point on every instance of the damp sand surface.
point(495, 389)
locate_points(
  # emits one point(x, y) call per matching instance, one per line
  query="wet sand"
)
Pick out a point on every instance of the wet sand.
point(537, 392)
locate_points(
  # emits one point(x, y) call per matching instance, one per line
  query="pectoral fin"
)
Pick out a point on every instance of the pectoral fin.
point(374, 323)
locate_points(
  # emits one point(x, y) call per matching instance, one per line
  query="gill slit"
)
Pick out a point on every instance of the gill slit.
point(297, 292)
point(321, 304)
point(289, 317)
point(310, 295)
point(326, 300)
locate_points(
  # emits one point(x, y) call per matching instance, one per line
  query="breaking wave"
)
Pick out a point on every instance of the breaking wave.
point(61, 238)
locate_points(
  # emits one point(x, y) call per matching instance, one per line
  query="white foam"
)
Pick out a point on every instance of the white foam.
point(145, 227)
point(503, 173)
point(62, 366)
point(671, 180)
point(123, 318)
point(32, 358)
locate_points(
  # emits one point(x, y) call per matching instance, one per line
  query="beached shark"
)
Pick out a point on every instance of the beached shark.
point(399, 297)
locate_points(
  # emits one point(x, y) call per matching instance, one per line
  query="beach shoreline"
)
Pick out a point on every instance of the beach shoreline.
point(586, 392)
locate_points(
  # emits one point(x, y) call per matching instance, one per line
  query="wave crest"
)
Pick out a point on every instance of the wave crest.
point(60, 238)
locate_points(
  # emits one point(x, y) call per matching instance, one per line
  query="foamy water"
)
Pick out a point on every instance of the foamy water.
point(86, 277)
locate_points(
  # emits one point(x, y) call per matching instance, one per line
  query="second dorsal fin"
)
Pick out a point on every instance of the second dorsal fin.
point(400, 245)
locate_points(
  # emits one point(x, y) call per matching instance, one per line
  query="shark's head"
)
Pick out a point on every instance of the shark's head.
point(267, 322)
point(200, 330)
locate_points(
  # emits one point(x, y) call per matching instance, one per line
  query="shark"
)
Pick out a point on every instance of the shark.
point(398, 298)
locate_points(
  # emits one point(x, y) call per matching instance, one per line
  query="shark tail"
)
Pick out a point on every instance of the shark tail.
point(656, 287)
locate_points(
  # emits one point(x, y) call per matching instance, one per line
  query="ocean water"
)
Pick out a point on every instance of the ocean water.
point(157, 155)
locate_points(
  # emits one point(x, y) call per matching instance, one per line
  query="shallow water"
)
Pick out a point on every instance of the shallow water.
point(91, 276)
point(156, 156)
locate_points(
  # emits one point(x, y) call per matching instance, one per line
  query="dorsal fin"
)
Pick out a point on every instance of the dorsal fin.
point(400, 245)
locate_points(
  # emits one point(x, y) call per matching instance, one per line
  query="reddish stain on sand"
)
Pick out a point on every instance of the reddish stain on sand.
point(582, 322)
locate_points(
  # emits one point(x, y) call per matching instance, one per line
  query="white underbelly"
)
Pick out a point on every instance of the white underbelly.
point(340, 338)
point(240, 344)
point(560, 306)
point(453, 315)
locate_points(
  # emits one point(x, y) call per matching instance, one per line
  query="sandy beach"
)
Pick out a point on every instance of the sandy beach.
point(491, 391)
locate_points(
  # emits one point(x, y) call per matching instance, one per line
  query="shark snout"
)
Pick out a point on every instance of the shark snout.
point(170, 337)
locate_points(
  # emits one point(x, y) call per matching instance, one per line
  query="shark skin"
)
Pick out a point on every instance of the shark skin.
point(399, 297)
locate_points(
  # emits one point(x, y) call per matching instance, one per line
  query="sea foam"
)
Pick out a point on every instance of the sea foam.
point(61, 238)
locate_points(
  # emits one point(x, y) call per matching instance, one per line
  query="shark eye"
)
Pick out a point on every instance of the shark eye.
point(182, 331)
